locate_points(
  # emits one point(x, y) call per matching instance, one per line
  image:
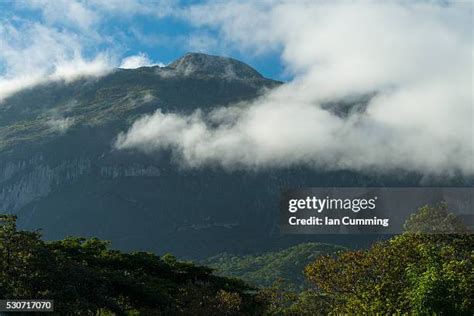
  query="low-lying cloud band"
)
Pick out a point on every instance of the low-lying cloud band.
point(414, 58)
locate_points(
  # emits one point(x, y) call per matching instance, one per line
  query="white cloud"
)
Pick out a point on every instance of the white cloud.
point(79, 67)
point(59, 124)
point(66, 41)
point(52, 48)
point(65, 12)
point(137, 61)
point(13, 85)
point(67, 71)
point(85, 15)
point(33, 53)
point(416, 58)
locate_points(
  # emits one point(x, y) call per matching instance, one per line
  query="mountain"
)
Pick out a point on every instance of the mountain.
point(266, 268)
point(197, 64)
point(60, 172)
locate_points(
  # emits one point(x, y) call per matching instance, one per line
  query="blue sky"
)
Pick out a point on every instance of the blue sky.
point(162, 37)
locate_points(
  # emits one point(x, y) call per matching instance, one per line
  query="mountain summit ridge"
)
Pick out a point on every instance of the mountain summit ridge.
point(201, 64)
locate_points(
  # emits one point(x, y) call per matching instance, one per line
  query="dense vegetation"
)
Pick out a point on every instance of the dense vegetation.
point(427, 270)
point(263, 270)
point(84, 276)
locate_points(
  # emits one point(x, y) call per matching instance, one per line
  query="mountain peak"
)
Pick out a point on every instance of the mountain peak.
point(208, 65)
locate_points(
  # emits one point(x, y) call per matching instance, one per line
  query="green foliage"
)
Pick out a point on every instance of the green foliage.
point(416, 272)
point(84, 276)
point(265, 269)
point(278, 297)
point(435, 220)
point(309, 303)
point(282, 301)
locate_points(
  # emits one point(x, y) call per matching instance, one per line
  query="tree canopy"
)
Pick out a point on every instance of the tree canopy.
point(426, 270)
point(84, 276)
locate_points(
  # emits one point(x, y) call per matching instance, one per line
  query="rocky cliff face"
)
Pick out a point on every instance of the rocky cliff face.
point(59, 171)
point(26, 181)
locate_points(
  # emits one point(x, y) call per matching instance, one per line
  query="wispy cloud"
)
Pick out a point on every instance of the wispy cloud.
point(72, 13)
point(33, 52)
point(64, 41)
point(60, 124)
point(137, 61)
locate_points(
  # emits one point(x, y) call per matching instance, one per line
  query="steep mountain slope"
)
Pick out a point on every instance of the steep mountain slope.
point(60, 172)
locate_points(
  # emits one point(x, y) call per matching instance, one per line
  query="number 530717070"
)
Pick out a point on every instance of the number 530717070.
point(26, 305)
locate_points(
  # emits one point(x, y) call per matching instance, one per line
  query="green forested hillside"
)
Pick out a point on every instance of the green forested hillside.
point(266, 268)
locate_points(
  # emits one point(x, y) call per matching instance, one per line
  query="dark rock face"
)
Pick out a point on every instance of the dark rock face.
point(60, 172)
